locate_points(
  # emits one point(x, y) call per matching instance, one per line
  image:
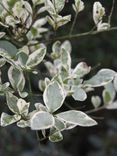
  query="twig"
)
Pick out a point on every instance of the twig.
point(111, 12)
point(95, 110)
point(88, 33)
point(73, 24)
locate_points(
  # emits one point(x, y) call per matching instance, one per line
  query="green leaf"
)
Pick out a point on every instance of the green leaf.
point(103, 77)
point(36, 57)
point(77, 118)
point(42, 120)
point(106, 97)
point(9, 119)
point(111, 90)
point(56, 137)
point(79, 94)
point(12, 102)
point(16, 78)
point(53, 96)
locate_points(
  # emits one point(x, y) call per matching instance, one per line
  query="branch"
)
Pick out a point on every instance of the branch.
point(89, 33)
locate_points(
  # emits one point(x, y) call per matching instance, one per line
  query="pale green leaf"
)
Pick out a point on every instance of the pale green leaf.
point(103, 77)
point(53, 96)
point(42, 120)
point(79, 94)
point(77, 118)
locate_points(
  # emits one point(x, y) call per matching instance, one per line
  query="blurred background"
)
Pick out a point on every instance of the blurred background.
point(98, 51)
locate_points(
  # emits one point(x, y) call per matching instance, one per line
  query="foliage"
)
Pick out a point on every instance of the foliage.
point(23, 47)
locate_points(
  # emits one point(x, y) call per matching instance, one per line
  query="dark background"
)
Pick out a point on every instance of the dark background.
point(98, 51)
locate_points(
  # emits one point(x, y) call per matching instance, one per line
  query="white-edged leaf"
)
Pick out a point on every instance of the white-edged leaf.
point(16, 78)
point(50, 7)
point(103, 77)
point(7, 119)
point(77, 118)
point(53, 96)
point(78, 6)
point(36, 57)
point(79, 94)
point(23, 107)
point(42, 120)
point(81, 69)
point(59, 5)
point(63, 20)
point(12, 102)
point(96, 101)
point(67, 46)
point(65, 59)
